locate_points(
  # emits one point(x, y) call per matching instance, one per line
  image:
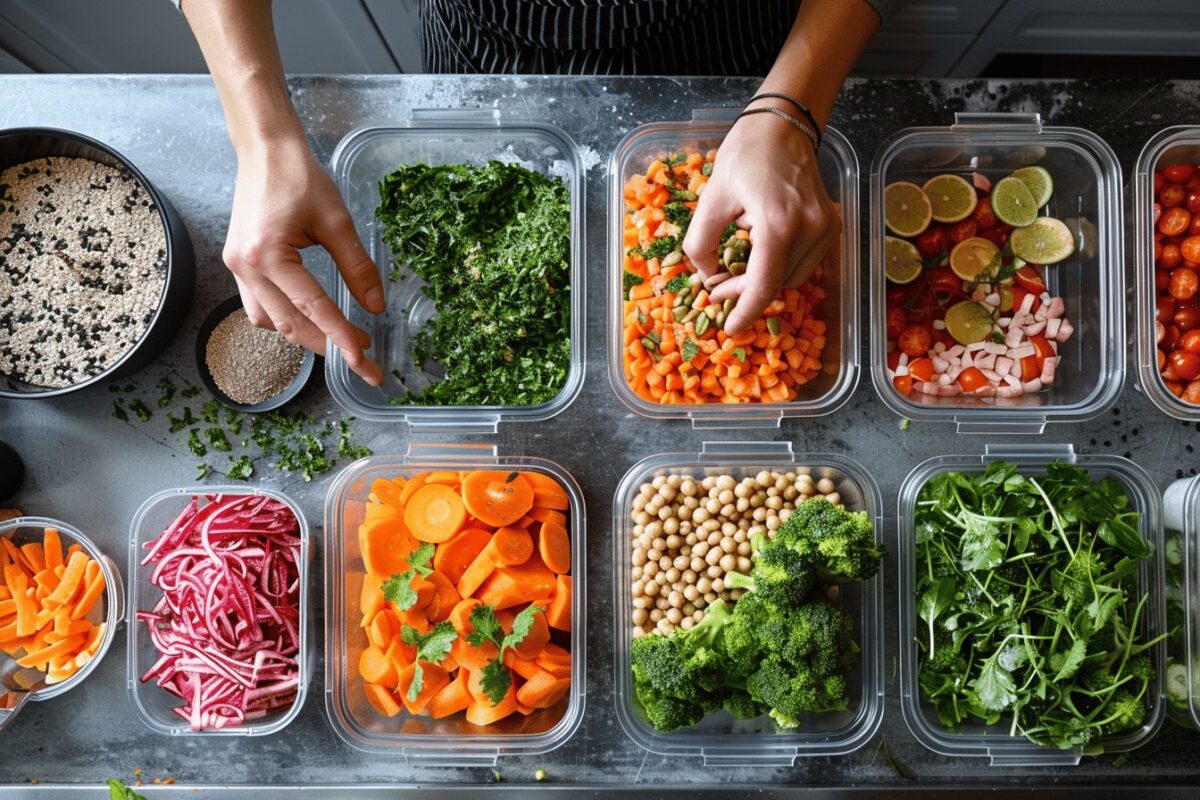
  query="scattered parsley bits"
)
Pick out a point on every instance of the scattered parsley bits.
point(677, 284)
point(140, 409)
point(184, 420)
point(119, 410)
point(242, 469)
point(197, 447)
point(631, 280)
point(168, 392)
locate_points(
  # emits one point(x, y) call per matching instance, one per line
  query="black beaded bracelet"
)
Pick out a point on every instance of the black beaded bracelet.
point(801, 107)
point(805, 128)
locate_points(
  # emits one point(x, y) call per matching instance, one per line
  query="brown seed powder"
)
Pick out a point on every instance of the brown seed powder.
point(250, 365)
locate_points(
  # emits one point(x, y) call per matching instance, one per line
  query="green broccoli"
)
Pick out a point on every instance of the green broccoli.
point(840, 543)
point(792, 690)
point(741, 636)
point(818, 636)
point(743, 706)
point(1125, 710)
point(779, 575)
point(666, 713)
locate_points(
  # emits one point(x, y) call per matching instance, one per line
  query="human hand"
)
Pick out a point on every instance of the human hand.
point(283, 202)
point(766, 178)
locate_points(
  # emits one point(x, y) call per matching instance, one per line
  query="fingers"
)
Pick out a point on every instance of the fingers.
point(715, 210)
point(338, 235)
point(254, 310)
point(761, 283)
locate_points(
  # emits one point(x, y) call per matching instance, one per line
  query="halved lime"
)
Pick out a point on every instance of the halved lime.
point(906, 209)
point(969, 322)
point(974, 259)
point(952, 198)
point(902, 261)
point(1045, 241)
point(1013, 202)
point(1038, 181)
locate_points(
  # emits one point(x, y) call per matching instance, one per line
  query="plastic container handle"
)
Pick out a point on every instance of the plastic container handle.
point(998, 120)
point(11, 705)
point(430, 116)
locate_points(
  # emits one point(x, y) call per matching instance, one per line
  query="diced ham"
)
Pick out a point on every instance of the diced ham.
point(1017, 353)
point(940, 364)
point(1065, 330)
point(1032, 386)
point(1048, 368)
point(1004, 365)
point(1014, 337)
point(1056, 308)
point(1035, 328)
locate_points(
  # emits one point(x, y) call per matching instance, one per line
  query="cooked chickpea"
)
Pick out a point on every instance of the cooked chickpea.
point(697, 563)
point(826, 486)
point(690, 593)
point(743, 562)
point(640, 615)
point(834, 498)
point(744, 549)
point(763, 478)
point(714, 571)
point(674, 616)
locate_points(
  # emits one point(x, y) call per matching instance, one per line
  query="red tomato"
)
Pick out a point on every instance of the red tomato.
point(961, 231)
point(1190, 342)
point(1162, 359)
point(915, 340)
point(1184, 284)
point(1160, 334)
point(1190, 249)
point(1175, 387)
point(1166, 308)
point(1018, 296)
point(1042, 347)
point(1168, 372)
point(943, 279)
point(897, 295)
point(933, 242)
point(1174, 221)
point(893, 359)
point(1158, 209)
point(1170, 337)
point(1178, 173)
point(1193, 202)
point(983, 215)
point(1186, 365)
point(896, 321)
point(903, 384)
point(1191, 394)
point(971, 379)
point(1029, 278)
point(1172, 196)
point(1194, 228)
point(921, 369)
point(1158, 246)
point(945, 338)
point(1170, 258)
point(1160, 180)
point(997, 236)
point(1029, 368)
point(1162, 279)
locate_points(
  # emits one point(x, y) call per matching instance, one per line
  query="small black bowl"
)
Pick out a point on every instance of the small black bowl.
point(214, 318)
point(12, 472)
point(18, 145)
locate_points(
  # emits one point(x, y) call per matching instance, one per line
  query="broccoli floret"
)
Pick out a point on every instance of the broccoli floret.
point(792, 690)
point(1141, 667)
point(1097, 678)
point(780, 575)
point(666, 713)
point(741, 637)
point(819, 635)
point(743, 706)
point(1125, 712)
point(1080, 576)
point(840, 542)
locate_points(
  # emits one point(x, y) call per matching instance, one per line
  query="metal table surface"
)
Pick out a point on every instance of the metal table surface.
point(90, 469)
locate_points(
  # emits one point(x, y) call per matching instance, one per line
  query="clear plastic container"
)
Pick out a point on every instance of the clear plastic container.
point(111, 609)
point(419, 739)
point(1181, 519)
point(1177, 145)
point(840, 309)
point(467, 136)
point(1087, 197)
point(153, 704)
point(996, 743)
point(719, 739)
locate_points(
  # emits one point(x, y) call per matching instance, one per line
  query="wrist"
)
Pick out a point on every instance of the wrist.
point(259, 113)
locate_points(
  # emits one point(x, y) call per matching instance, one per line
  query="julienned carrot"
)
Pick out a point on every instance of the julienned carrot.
point(455, 555)
point(434, 513)
point(496, 497)
point(554, 546)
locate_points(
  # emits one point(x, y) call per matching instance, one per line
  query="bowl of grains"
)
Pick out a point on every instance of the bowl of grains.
point(248, 368)
point(96, 267)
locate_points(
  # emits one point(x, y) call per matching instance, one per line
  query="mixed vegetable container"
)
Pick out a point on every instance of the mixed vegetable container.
point(1043, 615)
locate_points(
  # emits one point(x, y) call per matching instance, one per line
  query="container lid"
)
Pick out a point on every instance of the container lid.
point(448, 136)
point(839, 171)
point(1181, 513)
point(1175, 145)
point(421, 740)
point(1087, 196)
point(718, 740)
point(994, 742)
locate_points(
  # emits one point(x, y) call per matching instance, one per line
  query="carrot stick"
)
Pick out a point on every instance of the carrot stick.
point(89, 597)
point(381, 699)
point(558, 613)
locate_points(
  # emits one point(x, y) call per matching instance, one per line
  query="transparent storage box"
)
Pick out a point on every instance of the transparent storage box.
point(152, 703)
point(419, 739)
point(719, 739)
point(1176, 145)
point(467, 136)
point(840, 308)
point(1087, 197)
point(995, 742)
point(1181, 519)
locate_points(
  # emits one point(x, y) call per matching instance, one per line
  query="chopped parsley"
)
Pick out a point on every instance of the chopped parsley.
point(140, 409)
point(217, 440)
point(631, 280)
point(186, 420)
point(242, 469)
point(119, 410)
point(168, 392)
point(677, 284)
point(689, 350)
point(197, 447)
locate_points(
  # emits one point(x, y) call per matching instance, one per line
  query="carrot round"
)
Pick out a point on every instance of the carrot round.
point(535, 691)
point(434, 513)
point(460, 615)
point(456, 554)
point(508, 546)
point(547, 491)
point(554, 546)
point(534, 641)
point(558, 613)
point(471, 657)
point(434, 679)
point(445, 597)
point(453, 697)
point(375, 667)
point(385, 541)
point(496, 497)
point(381, 699)
point(386, 492)
point(518, 584)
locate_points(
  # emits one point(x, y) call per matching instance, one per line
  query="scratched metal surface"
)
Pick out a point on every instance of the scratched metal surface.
point(90, 469)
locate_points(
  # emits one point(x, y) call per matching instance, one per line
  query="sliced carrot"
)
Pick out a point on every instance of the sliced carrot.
point(375, 667)
point(483, 713)
point(518, 584)
point(554, 546)
point(87, 600)
point(508, 546)
point(445, 477)
point(386, 492)
point(472, 657)
point(44, 654)
point(453, 697)
point(380, 630)
point(381, 699)
point(386, 542)
point(370, 597)
point(547, 491)
point(433, 680)
point(460, 615)
point(34, 553)
point(558, 613)
point(534, 641)
point(554, 668)
point(411, 485)
point(434, 513)
point(454, 556)
point(445, 597)
point(496, 497)
point(543, 515)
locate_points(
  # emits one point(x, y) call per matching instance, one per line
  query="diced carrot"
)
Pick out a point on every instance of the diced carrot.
point(542, 690)
point(454, 556)
point(434, 513)
point(434, 679)
point(381, 699)
point(453, 697)
point(558, 613)
point(518, 584)
point(445, 597)
point(375, 667)
point(554, 546)
point(481, 712)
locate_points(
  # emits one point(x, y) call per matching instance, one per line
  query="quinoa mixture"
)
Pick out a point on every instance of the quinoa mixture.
point(82, 268)
point(250, 365)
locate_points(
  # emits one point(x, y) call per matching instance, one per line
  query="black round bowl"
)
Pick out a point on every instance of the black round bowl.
point(12, 472)
point(18, 145)
point(223, 310)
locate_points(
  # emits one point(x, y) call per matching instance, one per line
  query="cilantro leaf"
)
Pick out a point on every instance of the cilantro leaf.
point(140, 409)
point(398, 590)
point(495, 681)
point(677, 284)
point(631, 280)
point(242, 469)
point(486, 627)
point(119, 410)
point(419, 559)
point(168, 392)
point(522, 624)
point(431, 647)
point(194, 444)
point(689, 350)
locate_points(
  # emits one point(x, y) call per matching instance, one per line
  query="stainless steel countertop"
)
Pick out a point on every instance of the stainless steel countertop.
point(87, 468)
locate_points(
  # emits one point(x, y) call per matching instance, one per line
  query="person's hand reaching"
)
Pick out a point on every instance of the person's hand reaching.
point(283, 203)
point(766, 179)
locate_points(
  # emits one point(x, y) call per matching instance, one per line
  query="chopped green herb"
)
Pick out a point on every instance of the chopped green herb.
point(119, 791)
point(631, 280)
point(660, 247)
point(689, 350)
point(707, 169)
point(196, 446)
point(186, 420)
point(119, 410)
point(211, 412)
point(432, 647)
point(730, 230)
point(242, 469)
point(904, 423)
point(217, 440)
point(203, 471)
point(346, 446)
point(190, 392)
point(496, 679)
point(140, 409)
point(168, 392)
point(684, 195)
point(677, 284)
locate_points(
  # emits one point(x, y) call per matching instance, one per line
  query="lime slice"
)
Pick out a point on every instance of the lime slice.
point(906, 209)
point(902, 261)
point(1046, 241)
point(951, 197)
point(1038, 181)
point(1013, 202)
point(969, 322)
point(974, 259)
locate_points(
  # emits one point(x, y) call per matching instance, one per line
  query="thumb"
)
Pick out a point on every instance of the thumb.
point(714, 212)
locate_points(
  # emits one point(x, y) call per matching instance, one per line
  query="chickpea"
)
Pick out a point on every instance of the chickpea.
point(691, 502)
point(661, 579)
point(661, 603)
point(712, 506)
point(708, 482)
point(690, 593)
point(714, 556)
point(715, 571)
point(728, 544)
point(664, 625)
point(699, 615)
point(639, 502)
point(704, 585)
point(638, 632)
point(728, 511)
point(664, 563)
point(763, 478)
point(656, 614)
point(689, 575)
point(742, 504)
point(729, 562)
point(790, 494)
point(673, 575)
point(711, 597)
point(687, 486)
point(658, 481)
point(640, 615)
point(741, 490)
point(675, 599)
point(784, 514)
point(774, 503)
point(743, 562)
point(760, 514)
point(639, 556)
point(670, 525)
point(700, 549)
point(744, 549)
point(690, 540)
point(674, 616)
point(700, 515)
point(697, 564)
point(757, 499)
point(688, 623)
point(834, 498)
point(714, 538)
point(773, 522)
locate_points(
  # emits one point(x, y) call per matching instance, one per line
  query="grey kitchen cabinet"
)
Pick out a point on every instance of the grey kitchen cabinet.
point(925, 37)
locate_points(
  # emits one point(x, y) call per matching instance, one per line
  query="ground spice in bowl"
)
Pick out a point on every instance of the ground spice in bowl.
point(250, 365)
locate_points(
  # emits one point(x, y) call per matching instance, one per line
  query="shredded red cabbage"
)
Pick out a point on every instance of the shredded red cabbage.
point(227, 627)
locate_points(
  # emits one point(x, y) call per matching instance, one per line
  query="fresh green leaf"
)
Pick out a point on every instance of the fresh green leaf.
point(195, 446)
point(119, 791)
point(140, 409)
point(1068, 663)
point(398, 590)
point(485, 626)
point(630, 280)
point(211, 412)
point(495, 681)
point(419, 559)
point(168, 392)
point(119, 410)
point(707, 169)
point(677, 284)
point(522, 624)
point(689, 350)
point(994, 687)
point(242, 469)
point(217, 440)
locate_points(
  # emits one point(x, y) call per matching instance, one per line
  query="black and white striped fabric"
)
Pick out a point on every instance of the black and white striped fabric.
point(607, 37)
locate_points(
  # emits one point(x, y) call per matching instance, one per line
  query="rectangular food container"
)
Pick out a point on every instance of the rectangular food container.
point(418, 739)
point(1181, 521)
point(1087, 197)
point(839, 172)
point(1176, 145)
point(994, 742)
point(719, 739)
point(465, 136)
point(153, 704)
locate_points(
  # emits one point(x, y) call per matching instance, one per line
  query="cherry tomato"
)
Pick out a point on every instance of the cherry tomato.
point(1170, 257)
point(1042, 347)
point(1178, 173)
point(1187, 319)
point(1160, 180)
point(1166, 308)
point(1168, 372)
point(921, 369)
point(897, 295)
point(945, 338)
point(896, 320)
point(1172, 196)
point(1175, 387)
point(1193, 183)
point(903, 384)
point(1184, 284)
point(1194, 228)
point(1158, 246)
point(961, 231)
point(983, 215)
point(1029, 278)
point(915, 340)
point(893, 359)
point(1190, 341)
point(1190, 248)
point(1162, 279)
point(1162, 359)
point(1191, 394)
point(1160, 334)
point(971, 379)
point(1158, 209)
point(1186, 365)
point(933, 242)
point(1171, 337)
point(1193, 202)
point(943, 279)
point(997, 236)
point(1029, 368)
point(1174, 221)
